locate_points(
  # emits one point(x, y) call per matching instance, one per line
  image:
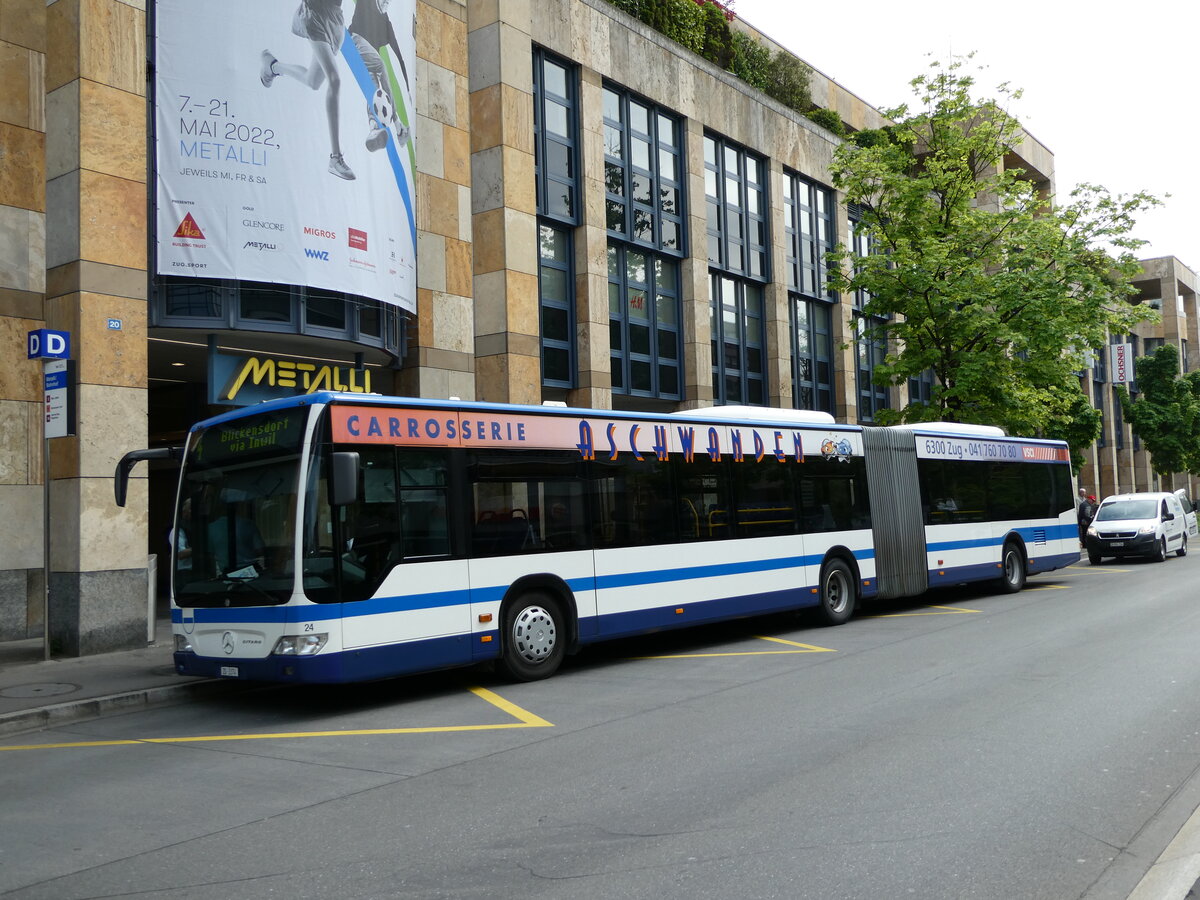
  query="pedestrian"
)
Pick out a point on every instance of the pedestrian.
point(1085, 513)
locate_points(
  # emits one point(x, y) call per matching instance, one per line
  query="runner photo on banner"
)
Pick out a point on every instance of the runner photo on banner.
point(284, 143)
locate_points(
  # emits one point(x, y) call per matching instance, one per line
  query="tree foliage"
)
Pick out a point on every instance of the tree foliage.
point(974, 274)
point(1166, 415)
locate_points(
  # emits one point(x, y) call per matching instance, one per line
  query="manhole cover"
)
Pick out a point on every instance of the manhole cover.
point(49, 689)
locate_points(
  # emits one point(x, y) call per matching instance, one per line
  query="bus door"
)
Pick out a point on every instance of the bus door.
point(400, 579)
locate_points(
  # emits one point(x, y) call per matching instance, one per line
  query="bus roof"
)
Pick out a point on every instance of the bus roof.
point(749, 415)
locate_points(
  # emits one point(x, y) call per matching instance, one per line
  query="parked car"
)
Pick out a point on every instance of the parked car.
point(1149, 524)
point(1189, 510)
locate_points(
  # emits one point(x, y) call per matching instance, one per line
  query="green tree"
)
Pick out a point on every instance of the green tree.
point(1166, 415)
point(975, 275)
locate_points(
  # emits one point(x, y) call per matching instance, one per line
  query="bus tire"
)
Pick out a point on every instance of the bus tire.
point(836, 592)
point(1012, 563)
point(533, 639)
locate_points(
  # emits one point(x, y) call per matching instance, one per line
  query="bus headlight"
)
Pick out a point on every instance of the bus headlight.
point(182, 644)
point(299, 644)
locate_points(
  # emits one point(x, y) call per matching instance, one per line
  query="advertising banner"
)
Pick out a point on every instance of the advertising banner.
point(1121, 364)
point(284, 143)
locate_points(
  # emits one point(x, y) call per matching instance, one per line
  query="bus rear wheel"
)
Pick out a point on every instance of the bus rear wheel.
point(532, 637)
point(1012, 561)
point(837, 592)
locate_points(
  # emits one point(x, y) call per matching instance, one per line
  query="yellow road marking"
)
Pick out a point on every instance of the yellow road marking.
point(1046, 587)
point(1107, 570)
point(801, 648)
point(810, 647)
point(927, 611)
point(525, 719)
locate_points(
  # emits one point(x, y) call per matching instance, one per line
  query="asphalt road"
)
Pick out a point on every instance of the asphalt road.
point(967, 745)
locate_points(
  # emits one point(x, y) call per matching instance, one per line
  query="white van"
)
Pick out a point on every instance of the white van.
point(1151, 524)
point(1189, 510)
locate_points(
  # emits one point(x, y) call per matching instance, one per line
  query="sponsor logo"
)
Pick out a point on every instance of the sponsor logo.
point(263, 225)
point(189, 229)
point(358, 239)
point(320, 232)
point(258, 245)
point(322, 255)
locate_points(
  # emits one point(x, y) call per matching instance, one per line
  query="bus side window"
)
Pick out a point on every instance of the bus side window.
point(705, 500)
point(371, 527)
point(424, 503)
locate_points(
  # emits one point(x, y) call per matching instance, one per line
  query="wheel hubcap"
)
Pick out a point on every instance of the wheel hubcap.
point(534, 634)
point(835, 592)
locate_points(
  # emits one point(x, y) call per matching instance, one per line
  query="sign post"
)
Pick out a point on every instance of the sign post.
point(58, 420)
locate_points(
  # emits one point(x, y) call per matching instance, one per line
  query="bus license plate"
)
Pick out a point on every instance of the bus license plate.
point(1113, 544)
point(229, 671)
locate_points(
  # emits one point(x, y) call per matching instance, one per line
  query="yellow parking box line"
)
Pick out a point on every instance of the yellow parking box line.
point(927, 611)
point(812, 648)
point(800, 648)
point(525, 719)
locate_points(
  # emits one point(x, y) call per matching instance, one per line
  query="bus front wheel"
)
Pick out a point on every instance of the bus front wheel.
point(1012, 561)
point(837, 592)
point(532, 638)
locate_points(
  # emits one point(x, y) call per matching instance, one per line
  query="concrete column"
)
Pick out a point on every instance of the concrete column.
point(592, 342)
point(441, 348)
point(504, 202)
point(694, 281)
point(776, 312)
point(96, 279)
point(22, 289)
point(845, 351)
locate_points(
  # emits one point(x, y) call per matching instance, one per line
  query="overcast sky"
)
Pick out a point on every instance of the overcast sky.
point(1110, 88)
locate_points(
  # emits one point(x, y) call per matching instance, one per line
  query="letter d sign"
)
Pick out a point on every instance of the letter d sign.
point(46, 344)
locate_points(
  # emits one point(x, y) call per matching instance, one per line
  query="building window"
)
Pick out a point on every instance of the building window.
point(871, 349)
point(861, 245)
point(735, 196)
point(643, 318)
point(643, 173)
point(920, 388)
point(812, 354)
point(555, 281)
point(808, 217)
point(738, 341)
point(555, 128)
point(216, 304)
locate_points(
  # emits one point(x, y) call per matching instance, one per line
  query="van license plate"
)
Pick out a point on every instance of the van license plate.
point(1113, 544)
point(229, 671)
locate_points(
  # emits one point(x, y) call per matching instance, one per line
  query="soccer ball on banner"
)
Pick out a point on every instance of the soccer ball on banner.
point(381, 106)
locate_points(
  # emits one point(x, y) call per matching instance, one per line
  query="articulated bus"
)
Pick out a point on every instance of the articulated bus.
point(344, 537)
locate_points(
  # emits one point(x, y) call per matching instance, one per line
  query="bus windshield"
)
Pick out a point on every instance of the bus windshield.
point(234, 541)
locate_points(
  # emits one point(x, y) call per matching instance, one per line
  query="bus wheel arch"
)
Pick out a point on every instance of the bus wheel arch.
point(837, 590)
point(1014, 564)
point(538, 624)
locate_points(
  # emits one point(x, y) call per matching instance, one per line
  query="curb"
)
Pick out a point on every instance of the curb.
point(87, 708)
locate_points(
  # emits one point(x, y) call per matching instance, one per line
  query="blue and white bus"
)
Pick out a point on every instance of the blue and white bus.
point(341, 537)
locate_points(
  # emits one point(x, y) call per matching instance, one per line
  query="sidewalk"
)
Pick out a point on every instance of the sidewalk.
point(39, 693)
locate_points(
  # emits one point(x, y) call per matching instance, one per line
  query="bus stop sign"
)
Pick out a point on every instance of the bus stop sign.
point(46, 344)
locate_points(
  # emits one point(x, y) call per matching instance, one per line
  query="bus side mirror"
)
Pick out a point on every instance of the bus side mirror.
point(129, 460)
point(343, 489)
